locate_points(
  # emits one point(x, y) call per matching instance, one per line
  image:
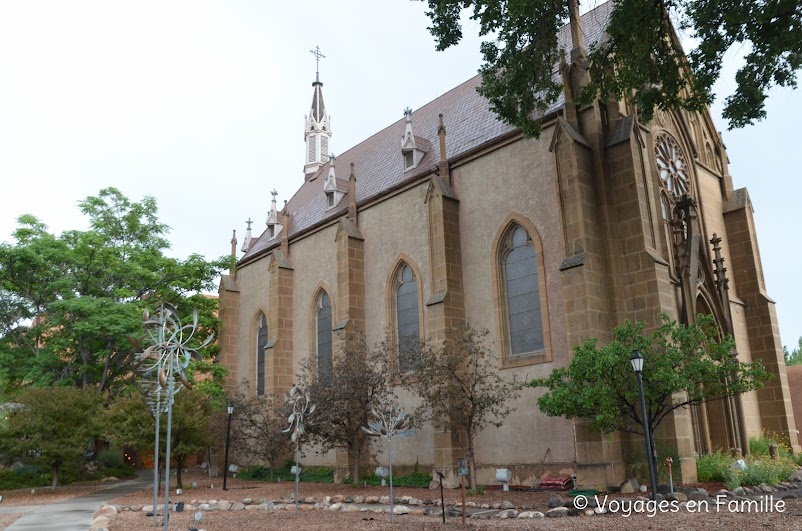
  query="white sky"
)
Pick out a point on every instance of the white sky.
point(201, 105)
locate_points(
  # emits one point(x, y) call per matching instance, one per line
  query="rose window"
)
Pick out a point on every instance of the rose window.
point(671, 165)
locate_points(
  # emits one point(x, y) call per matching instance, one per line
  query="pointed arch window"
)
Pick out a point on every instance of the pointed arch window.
point(261, 343)
point(521, 290)
point(407, 319)
point(323, 335)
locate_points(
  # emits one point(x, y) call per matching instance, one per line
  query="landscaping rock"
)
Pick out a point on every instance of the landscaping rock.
point(677, 496)
point(359, 499)
point(335, 506)
point(348, 508)
point(599, 510)
point(384, 500)
point(106, 510)
point(509, 513)
point(557, 512)
point(373, 499)
point(310, 499)
point(506, 505)
point(348, 499)
point(247, 501)
point(629, 486)
point(238, 506)
point(555, 500)
point(401, 509)
point(696, 495)
point(531, 514)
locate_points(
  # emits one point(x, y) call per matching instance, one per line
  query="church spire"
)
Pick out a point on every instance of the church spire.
point(317, 132)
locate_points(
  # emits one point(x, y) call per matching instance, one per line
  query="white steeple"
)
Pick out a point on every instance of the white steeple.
point(317, 132)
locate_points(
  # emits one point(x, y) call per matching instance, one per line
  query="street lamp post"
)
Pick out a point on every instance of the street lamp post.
point(230, 409)
point(637, 366)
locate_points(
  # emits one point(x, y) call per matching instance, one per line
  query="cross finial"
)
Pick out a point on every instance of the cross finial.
point(407, 112)
point(318, 56)
point(274, 193)
point(249, 221)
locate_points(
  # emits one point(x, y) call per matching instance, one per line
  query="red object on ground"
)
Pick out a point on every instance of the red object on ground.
point(556, 482)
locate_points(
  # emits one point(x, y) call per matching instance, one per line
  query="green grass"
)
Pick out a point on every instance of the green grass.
point(414, 479)
point(310, 474)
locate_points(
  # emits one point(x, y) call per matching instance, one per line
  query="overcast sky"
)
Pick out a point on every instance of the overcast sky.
point(201, 105)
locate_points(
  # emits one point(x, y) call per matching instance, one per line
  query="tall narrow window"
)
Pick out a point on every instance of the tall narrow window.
point(407, 319)
point(261, 343)
point(324, 340)
point(522, 293)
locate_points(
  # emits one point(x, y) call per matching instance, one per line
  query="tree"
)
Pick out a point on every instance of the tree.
point(461, 388)
point(258, 429)
point(52, 427)
point(70, 304)
point(793, 357)
point(641, 59)
point(687, 361)
point(357, 383)
point(129, 423)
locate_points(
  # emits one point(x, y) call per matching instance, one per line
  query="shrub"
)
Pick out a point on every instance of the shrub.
point(713, 467)
point(760, 469)
point(478, 491)
point(110, 458)
point(760, 445)
point(23, 476)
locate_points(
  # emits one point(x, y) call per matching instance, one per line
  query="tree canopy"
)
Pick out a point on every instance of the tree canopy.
point(641, 59)
point(52, 427)
point(70, 304)
point(600, 385)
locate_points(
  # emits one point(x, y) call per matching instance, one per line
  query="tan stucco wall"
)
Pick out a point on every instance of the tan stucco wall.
point(254, 283)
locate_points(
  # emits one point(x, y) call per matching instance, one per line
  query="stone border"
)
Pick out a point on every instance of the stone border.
point(558, 505)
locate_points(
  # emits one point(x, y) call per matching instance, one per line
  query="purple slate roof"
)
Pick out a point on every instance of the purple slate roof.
point(378, 163)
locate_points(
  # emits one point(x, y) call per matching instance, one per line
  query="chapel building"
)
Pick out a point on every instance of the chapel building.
point(544, 242)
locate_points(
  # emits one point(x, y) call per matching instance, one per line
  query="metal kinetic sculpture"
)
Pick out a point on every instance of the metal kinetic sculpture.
point(152, 391)
point(300, 406)
point(166, 359)
point(389, 421)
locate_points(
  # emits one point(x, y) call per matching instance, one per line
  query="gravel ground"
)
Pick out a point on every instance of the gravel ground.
point(286, 520)
point(8, 519)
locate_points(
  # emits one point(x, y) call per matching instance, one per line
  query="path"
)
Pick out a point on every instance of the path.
point(75, 514)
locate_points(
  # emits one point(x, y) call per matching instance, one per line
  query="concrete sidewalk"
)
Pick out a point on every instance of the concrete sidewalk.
point(75, 514)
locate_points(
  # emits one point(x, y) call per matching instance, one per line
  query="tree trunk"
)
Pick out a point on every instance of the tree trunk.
point(356, 456)
point(179, 464)
point(471, 461)
point(55, 478)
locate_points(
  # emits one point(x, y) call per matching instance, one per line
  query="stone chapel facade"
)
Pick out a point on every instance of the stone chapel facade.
point(545, 243)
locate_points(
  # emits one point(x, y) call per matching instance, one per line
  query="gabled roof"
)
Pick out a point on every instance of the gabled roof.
point(378, 164)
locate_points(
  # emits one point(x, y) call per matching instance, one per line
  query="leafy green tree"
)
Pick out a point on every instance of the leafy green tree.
point(793, 357)
point(52, 427)
point(129, 423)
point(70, 304)
point(690, 362)
point(357, 383)
point(641, 59)
point(461, 388)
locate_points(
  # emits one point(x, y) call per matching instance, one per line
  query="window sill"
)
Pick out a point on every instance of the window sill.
point(521, 360)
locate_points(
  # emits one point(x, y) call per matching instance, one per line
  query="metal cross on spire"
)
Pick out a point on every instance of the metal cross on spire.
point(318, 56)
point(249, 221)
point(274, 193)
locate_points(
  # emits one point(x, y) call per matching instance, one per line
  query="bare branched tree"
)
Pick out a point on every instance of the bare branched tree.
point(258, 429)
point(462, 389)
point(356, 384)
